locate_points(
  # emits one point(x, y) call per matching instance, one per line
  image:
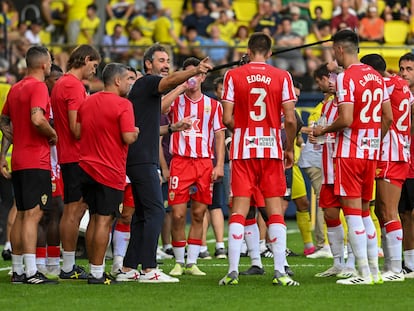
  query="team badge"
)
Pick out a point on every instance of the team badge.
point(171, 195)
point(44, 199)
point(378, 171)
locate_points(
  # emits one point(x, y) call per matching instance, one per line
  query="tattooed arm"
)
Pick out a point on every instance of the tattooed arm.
point(42, 125)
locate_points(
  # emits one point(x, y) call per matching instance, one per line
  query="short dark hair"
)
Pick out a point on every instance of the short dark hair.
point(149, 53)
point(345, 35)
point(321, 71)
point(34, 56)
point(191, 61)
point(376, 61)
point(297, 84)
point(92, 6)
point(406, 57)
point(56, 68)
point(79, 54)
point(217, 81)
point(112, 70)
point(260, 43)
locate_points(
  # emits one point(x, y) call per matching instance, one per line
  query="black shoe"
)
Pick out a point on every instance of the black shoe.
point(106, 279)
point(289, 271)
point(220, 253)
point(77, 273)
point(169, 251)
point(38, 279)
point(290, 253)
point(17, 278)
point(6, 254)
point(253, 270)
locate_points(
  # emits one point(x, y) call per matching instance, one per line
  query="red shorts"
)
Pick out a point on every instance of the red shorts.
point(128, 197)
point(190, 175)
point(57, 186)
point(257, 198)
point(267, 174)
point(354, 178)
point(327, 197)
point(393, 172)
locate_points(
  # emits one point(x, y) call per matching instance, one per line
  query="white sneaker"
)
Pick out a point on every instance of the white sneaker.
point(42, 269)
point(358, 280)
point(332, 271)
point(162, 255)
point(157, 276)
point(131, 275)
point(116, 267)
point(324, 252)
point(347, 272)
point(390, 276)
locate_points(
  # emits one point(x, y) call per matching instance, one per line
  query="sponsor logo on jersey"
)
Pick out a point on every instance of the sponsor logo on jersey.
point(260, 142)
point(370, 143)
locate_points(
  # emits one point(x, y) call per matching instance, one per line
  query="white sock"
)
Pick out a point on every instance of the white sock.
point(41, 261)
point(409, 259)
point(251, 236)
point(30, 264)
point(262, 246)
point(236, 233)
point(17, 264)
point(358, 240)
point(118, 261)
point(203, 248)
point(53, 261)
point(372, 244)
point(97, 271)
point(179, 253)
point(336, 242)
point(7, 245)
point(350, 262)
point(193, 250)
point(120, 241)
point(393, 244)
point(68, 261)
point(277, 239)
point(220, 245)
point(387, 262)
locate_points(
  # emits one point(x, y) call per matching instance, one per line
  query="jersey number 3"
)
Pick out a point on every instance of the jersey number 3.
point(258, 114)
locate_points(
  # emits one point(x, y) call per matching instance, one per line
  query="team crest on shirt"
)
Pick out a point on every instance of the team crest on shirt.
point(378, 172)
point(370, 143)
point(171, 195)
point(43, 199)
point(260, 142)
point(121, 207)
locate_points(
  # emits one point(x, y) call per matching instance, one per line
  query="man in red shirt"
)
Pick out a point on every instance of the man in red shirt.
point(107, 128)
point(191, 166)
point(392, 168)
point(67, 96)
point(27, 108)
point(364, 115)
point(254, 97)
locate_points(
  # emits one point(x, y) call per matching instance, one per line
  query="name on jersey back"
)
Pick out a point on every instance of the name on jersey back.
point(259, 78)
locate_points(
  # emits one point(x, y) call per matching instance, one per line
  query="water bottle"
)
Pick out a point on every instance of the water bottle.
point(322, 122)
point(192, 82)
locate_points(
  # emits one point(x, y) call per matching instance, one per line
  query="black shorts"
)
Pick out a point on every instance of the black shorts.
point(71, 173)
point(288, 194)
point(406, 203)
point(218, 200)
point(101, 199)
point(32, 187)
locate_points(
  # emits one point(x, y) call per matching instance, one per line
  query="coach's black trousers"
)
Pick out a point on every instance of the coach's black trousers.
point(148, 218)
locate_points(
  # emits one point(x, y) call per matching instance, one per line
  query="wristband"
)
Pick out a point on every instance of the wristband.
point(170, 129)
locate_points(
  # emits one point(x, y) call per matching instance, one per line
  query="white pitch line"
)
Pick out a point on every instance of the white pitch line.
point(5, 269)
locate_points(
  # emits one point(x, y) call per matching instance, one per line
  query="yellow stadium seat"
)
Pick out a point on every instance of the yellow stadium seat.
point(392, 56)
point(327, 7)
point(395, 32)
point(176, 7)
point(245, 10)
point(368, 48)
point(381, 6)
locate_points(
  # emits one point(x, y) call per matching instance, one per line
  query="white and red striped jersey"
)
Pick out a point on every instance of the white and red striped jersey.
point(395, 145)
point(258, 92)
point(364, 88)
point(196, 142)
point(330, 110)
